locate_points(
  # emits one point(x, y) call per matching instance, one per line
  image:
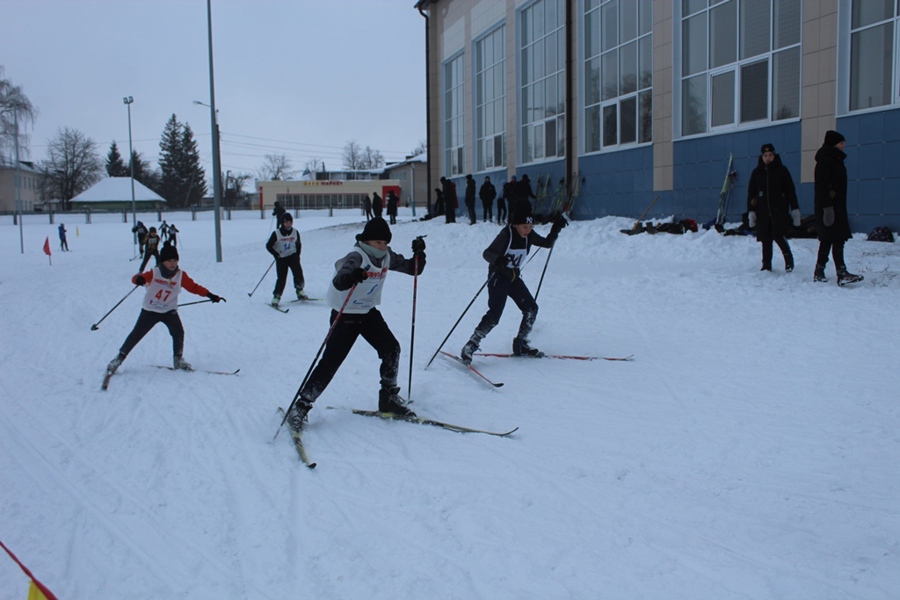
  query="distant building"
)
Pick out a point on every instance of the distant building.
point(412, 174)
point(644, 98)
point(114, 193)
point(29, 187)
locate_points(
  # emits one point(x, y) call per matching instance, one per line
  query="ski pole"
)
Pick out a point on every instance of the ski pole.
point(309, 372)
point(190, 303)
point(478, 293)
point(547, 262)
point(261, 278)
point(412, 333)
point(96, 325)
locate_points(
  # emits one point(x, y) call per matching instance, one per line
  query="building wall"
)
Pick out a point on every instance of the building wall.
point(685, 173)
point(29, 190)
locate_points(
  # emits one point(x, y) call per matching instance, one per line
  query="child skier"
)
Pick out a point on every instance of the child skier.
point(506, 255)
point(361, 275)
point(284, 245)
point(151, 248)
point(163, 284)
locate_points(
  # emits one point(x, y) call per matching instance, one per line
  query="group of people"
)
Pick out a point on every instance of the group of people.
point(149, 241)
point(375, 207)
point(512, 193)
point(772, 207)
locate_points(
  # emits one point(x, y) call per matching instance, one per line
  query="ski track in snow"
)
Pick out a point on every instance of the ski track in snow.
point(748, 451)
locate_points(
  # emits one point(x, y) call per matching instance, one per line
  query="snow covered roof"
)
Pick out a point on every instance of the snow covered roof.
point(117, 189)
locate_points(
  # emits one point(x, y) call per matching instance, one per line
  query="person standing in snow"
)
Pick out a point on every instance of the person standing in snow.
point(361, 275)
point(284, 244)
point(377, 205)
point(832, 222)
point(451, 201)
point(163, 282)
point(392, 201)
point(505, 200)
point(506, 255)
point(470, 198)
point(63, 243)
point(772, 206)
point(487, 193)
point(277, 212)
point(367, 206)
point(151, 248)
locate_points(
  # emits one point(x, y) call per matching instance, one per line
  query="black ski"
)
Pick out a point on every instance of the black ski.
point(106, 379)
point(557, 356)
point(472, 369)
point(426, 421)
point(278, 308)
point(307, 300)
point(298, 443)
point(235, 372)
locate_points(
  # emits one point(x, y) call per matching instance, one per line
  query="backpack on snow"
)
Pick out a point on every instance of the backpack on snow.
point(881, 234)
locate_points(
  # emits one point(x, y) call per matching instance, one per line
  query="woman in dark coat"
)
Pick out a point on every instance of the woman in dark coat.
point(772, 206)
point(832, 223)
point(392, 201)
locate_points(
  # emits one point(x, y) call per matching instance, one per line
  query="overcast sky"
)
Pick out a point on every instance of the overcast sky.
point(293, 77)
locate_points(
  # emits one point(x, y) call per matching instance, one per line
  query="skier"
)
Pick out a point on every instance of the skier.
point(151, 248)
point(284, 245)
point(173, 235)
point(363, 272)
point(832, 223)
point(141, 231)
point(506, 255)
point(277, 212)
point(487, 193)
point(163, 283)
point(164, 231)
point(772, 205)
point(63, 244)
point(470, 198)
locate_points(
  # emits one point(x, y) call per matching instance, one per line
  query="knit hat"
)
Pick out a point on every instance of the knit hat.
point(287, 217)
point(833, 138)
point(521, 214)
point(375, 229)
point(168, 253)
point(767, 148)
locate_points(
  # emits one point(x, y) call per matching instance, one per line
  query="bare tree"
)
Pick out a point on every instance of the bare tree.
point(15, 110)
point(234, 188)
point(72, 166)
point(358, 158)
point(277, 167)
point(314, 165)
point(421, 148)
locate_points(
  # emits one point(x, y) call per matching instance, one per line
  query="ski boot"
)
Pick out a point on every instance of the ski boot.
point(298, 415)
point(788, 263)
point(301, 295)
point(520, 347)
point(179, 363)
point(467, 351)
point(276, 300)
point(819, 274)
point(390, 402)
point(766, 267)
point(115, 363)
point(844, 277)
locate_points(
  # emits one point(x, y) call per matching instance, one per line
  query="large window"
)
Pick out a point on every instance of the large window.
point(490, 100)
point(618, 72)
point(873, 53)
point(454, 113)
point(740, 62)
point(542, 60)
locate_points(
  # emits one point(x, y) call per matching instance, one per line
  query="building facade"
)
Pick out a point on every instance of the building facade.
point(609, 104)
point(29, 187)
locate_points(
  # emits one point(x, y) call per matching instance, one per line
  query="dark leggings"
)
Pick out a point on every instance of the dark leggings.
point(499, 289)
point(146, 321)
point(282, 265)
point(837, 253)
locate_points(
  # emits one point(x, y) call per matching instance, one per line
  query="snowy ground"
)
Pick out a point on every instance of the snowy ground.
point(749, 451)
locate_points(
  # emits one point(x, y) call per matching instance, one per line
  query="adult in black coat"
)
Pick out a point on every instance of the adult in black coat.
point(470, 198)
point(832, 222)
point(522, 192)
point(377, 205)
point(487, 193)
point(392, 201)
point(772, 206)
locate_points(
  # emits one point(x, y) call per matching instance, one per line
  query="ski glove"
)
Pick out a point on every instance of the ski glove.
point(418, 245)
point(139, 280)
point(215, 298)
point(751, 219)
point(358, 275)
point(795, 215)
point(828, 216)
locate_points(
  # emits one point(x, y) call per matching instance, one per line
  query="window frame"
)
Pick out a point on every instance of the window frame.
point(490, 147)
point(454, 113)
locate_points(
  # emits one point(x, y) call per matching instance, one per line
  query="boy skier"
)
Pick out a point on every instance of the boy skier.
point(163, 283)
point(361, 275)
point(506, 255)
point(284, 245)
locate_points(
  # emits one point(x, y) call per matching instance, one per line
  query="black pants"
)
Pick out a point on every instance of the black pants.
point(146, 321)
point(488, 212)
point(470, 206)
point(372, 327)
point(282, 265)
point(501, 210)
point(837, 253)
point(499, 289)
point(147, 255)
point(783, 245)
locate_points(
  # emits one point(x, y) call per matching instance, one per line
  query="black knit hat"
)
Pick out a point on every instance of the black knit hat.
point(287, 217)
point(833, 138)
point(168, 252)
point(521, 214)
point(767, 148)
point(375, 229)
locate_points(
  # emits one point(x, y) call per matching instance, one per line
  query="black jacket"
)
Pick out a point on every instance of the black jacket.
point(831, 191)
point(771, 194)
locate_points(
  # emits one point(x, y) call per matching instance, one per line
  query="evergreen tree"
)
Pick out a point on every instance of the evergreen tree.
point(195, 176)
point(115, 167)
point(182, 181)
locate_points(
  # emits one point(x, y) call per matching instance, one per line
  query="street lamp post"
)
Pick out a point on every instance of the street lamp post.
point(128, 100)
point(217, 166)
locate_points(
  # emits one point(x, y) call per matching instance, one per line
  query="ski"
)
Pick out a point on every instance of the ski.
point(557, 356)
point(298, 443)
point(426, 421)
point(235, 372)
point(106, 378)
point(730, 176)
point(278, 308)
point(307, 300)
point(472, 369)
